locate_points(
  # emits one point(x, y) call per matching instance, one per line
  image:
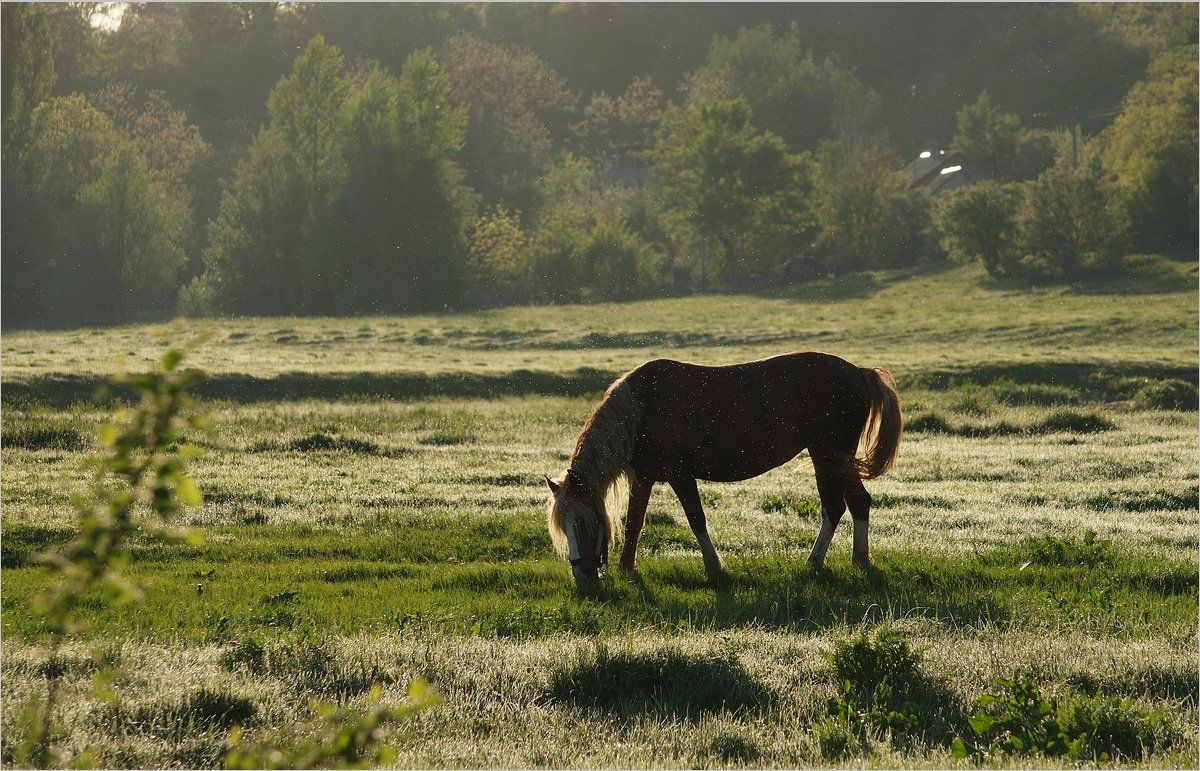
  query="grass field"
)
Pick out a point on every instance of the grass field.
point(375, 513)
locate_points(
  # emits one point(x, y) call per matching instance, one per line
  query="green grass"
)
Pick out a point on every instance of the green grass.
point(375, 513)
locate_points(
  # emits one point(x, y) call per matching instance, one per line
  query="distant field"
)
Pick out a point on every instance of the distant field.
point(374, 512)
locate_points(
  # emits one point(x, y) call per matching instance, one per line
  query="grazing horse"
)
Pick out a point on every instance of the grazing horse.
point(675, 422)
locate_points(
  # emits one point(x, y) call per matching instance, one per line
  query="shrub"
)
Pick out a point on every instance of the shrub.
point(1017, 719)
point(344, 737)
point(495, 256)
point(897, 232)
point(1167, 395)
point(1072, 222)
point(879, 676)
point(142, 484)
point(979, 223)
point(869, 660)
point(932, 423)
point(1067, 550)
point(610, 256)
point(972, 399)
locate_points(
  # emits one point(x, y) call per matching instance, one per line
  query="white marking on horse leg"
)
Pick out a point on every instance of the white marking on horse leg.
point(711, 558)
point(862, 553)
point(821, 545)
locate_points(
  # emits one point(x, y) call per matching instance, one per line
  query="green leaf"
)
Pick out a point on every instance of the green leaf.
point(190, 451)
point(171, 358)
point(188, 491)
point(981, 722)
point(958, 749)
point(108, 434)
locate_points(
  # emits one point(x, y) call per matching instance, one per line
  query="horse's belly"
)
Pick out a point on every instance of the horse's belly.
point(736, 465)
point(714, 462)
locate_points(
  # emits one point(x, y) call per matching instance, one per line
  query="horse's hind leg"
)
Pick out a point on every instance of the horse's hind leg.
point(635, 517)
point(689, 496)
point(833, 506)
point(859, 501)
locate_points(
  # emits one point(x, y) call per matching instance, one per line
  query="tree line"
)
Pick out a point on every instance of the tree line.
point(381, 175)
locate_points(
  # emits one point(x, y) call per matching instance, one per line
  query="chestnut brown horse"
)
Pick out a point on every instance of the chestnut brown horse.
point(675, 422)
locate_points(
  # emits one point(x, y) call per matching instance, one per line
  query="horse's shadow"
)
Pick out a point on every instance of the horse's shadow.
point(803, 598)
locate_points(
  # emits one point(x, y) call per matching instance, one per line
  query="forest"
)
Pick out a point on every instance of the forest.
point(348, 159)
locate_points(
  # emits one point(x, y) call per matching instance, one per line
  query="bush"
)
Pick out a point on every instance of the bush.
point(979, 223)
point(880, 677)
point(1072, 222)
point(610, 256)
point(1016, 719)
point(1068, 551)
point(866, 215)
point(867, 661)
point(1167, 395)
point(494, 257)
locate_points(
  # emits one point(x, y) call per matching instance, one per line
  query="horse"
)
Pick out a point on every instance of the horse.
point(677, 422)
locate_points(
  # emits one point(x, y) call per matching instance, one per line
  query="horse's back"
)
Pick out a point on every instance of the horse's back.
point(739, 420)
point(803, 370)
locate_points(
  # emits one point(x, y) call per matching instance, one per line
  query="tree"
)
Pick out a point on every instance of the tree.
point(134, 232)
point(788, 92)
point(1152, 149)
point(618, 131)
point(27, 70)
point(979, 223)
point(987, 134)
point(404, 214)
point(173, 149)
point(495, 261)
point(45, 256)
point(518, 108)
point(1073, 222)
point(868, 218)
point(348, 201)
point(737, 186)
point(98, 239)
point(269, 247)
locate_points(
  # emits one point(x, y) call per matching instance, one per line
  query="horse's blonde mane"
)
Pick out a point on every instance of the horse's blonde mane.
point(600, 463)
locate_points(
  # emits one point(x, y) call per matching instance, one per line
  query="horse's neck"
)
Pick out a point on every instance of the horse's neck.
point(606, 446)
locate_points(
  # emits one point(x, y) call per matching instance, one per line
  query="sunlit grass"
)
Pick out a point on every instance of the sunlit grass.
point(375, 513)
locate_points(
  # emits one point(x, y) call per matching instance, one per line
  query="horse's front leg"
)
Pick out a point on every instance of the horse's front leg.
point(689, 496)
point(635, 517)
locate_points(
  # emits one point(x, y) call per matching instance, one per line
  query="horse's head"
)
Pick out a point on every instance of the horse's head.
point(579, 525)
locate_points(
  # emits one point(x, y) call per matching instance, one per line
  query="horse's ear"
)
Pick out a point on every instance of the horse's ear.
point(551, 484)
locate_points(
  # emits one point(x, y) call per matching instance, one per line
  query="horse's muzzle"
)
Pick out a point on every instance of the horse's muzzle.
point(586, 571)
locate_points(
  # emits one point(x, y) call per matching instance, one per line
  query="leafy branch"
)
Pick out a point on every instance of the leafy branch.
point(141, 484)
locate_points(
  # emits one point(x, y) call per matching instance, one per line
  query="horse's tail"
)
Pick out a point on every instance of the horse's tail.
point(881, 434)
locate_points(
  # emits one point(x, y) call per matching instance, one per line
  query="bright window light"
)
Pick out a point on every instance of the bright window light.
point(926, 154)
point(950, 169)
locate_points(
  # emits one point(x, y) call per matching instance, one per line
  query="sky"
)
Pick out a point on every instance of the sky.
point(108, 15)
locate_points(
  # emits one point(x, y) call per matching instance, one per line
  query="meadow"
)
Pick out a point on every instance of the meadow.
point(374, 513)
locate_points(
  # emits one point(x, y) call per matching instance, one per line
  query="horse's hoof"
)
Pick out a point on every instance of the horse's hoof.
point(624, 568)
point(816, 564)
point(866, 563)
